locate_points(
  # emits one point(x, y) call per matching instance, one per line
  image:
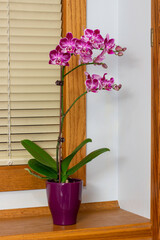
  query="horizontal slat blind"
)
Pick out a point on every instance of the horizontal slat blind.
point(29, 98)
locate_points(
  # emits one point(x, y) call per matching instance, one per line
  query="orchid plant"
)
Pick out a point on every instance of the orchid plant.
point(43, 165)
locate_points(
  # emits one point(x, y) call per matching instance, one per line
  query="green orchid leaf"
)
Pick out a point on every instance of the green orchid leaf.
point(64, 178)
point(42, 169)
point(35, 175)
point(39, 154)
point(87, 159)
point(67, 160)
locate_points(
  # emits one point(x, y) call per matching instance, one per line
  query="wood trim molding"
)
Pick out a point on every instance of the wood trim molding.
point(96, 221)
point(13, 178)
point(74, 20)
point(155, 127)
point(132, 232)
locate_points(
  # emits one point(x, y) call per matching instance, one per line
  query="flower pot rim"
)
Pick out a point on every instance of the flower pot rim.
point(77, 181)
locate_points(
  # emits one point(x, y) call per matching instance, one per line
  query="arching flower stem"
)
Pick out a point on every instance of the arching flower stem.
point(74, 103)
point(83, 64)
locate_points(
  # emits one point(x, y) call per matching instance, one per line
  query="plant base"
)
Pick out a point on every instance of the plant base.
point(64, 201)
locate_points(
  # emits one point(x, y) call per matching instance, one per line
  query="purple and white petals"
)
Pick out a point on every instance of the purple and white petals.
point(94, 37)
point(84, 50)
point(68, 44)
point(96, 82)
point(58, 57)
point(109, 44)
point(92, 82)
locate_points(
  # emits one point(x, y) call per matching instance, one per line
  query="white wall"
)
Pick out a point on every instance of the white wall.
point(106, 119)
point(135, 106)
point(102, 112)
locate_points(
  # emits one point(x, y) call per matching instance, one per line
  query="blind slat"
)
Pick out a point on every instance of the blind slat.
point(32, 136)
point(31, 32)
point(3, 48)
point(18, 146)
point(3, 23)
point(36, 48)
point(34, 1)
point(31, 65)
point(35, 129)
point(32, 15)
point(30, 121)
point(32, 23)
point(29, 57)
point(35, 89)
point(35, 97)
point(41, 7)
point(23, 154)
point(4, 56)
point(29, 80)
point(33, 40)
point(30, 105)
point(31, 73)
point(3, 64)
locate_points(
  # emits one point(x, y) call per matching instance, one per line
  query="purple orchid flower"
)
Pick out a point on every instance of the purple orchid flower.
point(58, 57)
point(85, 59)
point(68, 44)
point(94, 37)
point(109, 44)
point(92, 82)
point(106, 84)
point(84, 49)
point(100, 57)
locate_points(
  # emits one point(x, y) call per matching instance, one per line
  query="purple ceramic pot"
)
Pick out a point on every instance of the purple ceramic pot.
point(64, 200)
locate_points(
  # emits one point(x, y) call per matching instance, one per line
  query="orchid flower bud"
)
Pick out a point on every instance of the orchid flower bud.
point(120, 54)
point(118, 48)
point(104, 65)
point(117, 87)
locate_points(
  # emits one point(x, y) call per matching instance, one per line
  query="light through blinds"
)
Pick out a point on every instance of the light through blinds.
point(29, 98)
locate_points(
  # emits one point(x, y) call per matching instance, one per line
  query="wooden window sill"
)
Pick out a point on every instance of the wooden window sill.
point(95, 221)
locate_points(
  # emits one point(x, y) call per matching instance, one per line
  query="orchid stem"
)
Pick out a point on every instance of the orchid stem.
point(74, 103)
point(83, 64)
point(58, 147)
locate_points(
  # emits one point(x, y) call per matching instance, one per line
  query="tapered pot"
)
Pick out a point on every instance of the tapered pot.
point(64, 200)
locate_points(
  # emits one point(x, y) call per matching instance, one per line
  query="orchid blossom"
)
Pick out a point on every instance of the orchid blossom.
point(57, 57)
point(94, 37)
point(109, 44)
point(68, 44)
point(92, 82)
point(84, 49)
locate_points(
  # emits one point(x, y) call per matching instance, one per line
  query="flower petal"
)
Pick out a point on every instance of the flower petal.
point(63, 42)
point(87, 74)
point(69, 35)
point(58, 48)
point(88, 32)
point(66, 56)
point(53, 54)
point(96, 31)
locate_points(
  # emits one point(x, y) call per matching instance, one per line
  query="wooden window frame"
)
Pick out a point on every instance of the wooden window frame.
point(155, 122)
point(13, 178)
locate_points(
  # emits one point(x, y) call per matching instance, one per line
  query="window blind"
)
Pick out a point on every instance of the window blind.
point(29, 98)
